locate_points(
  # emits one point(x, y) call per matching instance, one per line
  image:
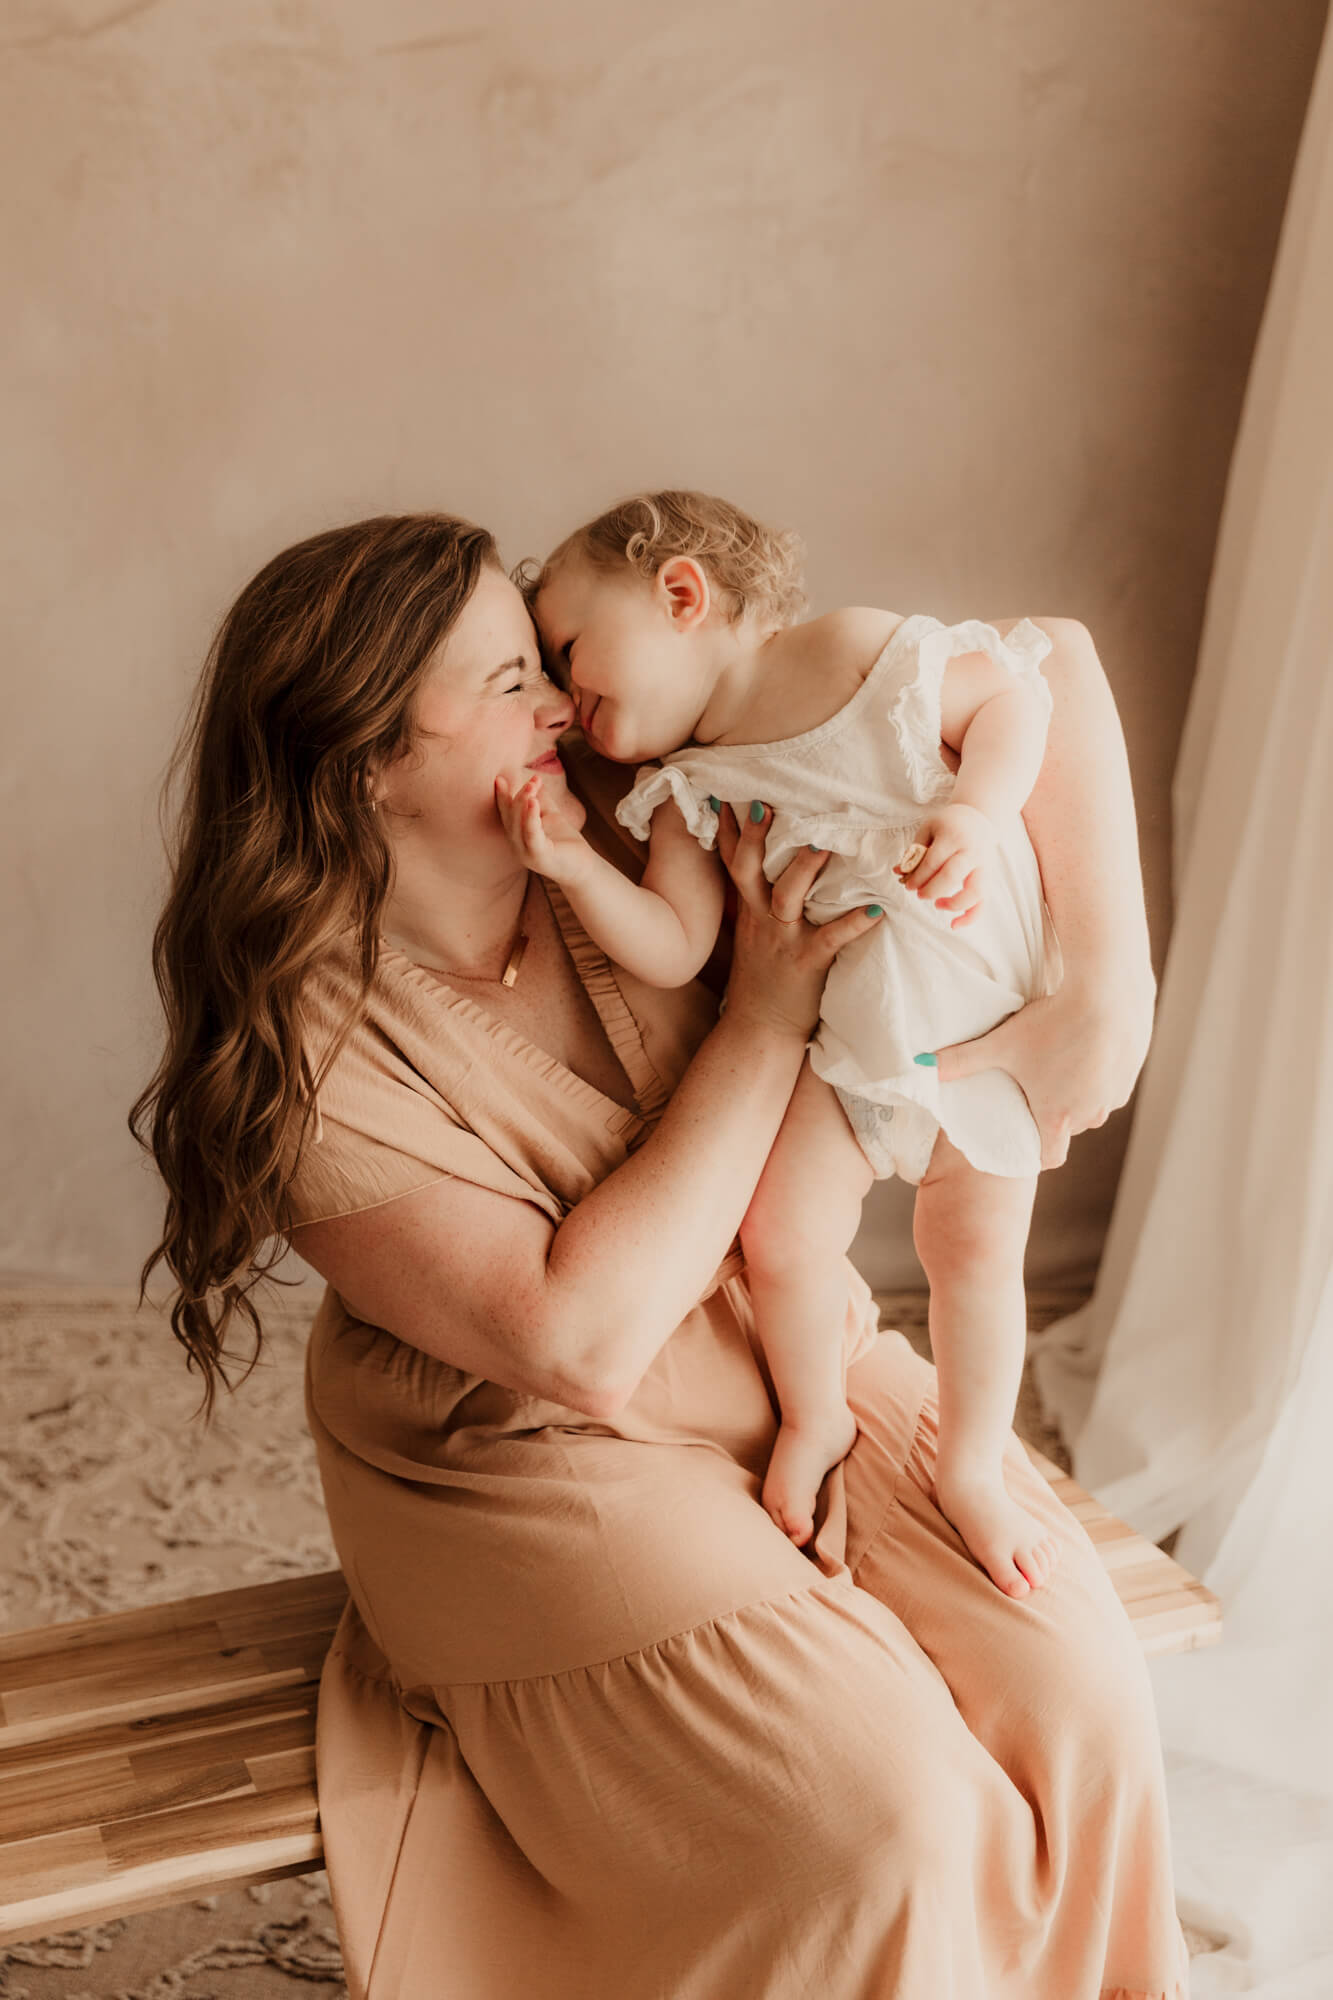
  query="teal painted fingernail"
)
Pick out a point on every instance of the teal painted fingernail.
point(756, 811)
point(716, 804)
point(874, 910)
point(813, 848)
point(930, 1062)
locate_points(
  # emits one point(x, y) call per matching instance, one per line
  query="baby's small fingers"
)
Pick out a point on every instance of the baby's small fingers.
point(965, 895)
point(530, 829)
point(938, 856)
point(946, 881)
point(923, 860)
point(507, 807)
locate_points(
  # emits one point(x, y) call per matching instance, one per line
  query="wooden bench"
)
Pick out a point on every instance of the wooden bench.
point(152, 1755)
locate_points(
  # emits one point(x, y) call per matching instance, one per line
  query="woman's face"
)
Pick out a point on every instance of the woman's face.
point(485, 709)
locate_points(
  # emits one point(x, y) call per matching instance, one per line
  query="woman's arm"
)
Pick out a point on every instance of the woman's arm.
point(1078, 1053)
point(577, 1313)
point(661, 930)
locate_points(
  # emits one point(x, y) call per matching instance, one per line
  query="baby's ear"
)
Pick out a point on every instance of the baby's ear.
point(683, 585)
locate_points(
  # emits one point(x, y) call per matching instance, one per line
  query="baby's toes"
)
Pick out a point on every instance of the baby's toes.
point(1000, 1567)
point(1035, 1561)
point(788, 1509)
point(1011, 1579)
point(797, 1523)
point(1033, 1565)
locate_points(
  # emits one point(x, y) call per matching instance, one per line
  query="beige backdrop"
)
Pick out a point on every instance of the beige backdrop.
point(964, 291)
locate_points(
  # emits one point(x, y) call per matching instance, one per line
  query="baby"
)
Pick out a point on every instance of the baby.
point(670, 619)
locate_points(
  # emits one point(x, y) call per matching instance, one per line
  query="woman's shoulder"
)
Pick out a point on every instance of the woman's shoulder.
point(402, 1083)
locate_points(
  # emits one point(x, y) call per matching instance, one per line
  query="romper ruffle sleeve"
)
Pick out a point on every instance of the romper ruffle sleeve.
point(652, 787)
point(915, 709)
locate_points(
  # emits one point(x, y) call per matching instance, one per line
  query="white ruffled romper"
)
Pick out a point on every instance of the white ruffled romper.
point(857, 785)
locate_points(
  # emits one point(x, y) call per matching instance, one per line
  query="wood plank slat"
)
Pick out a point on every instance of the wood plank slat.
point(326, 1590)
point(137, 1684)
point(156, 1886)
point(79, 1800)
point(249, 1714)
point(54, 1862)
point(186, 1833)
point(274, 1769)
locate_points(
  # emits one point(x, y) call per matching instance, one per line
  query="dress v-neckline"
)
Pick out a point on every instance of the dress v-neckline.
point(595, 974)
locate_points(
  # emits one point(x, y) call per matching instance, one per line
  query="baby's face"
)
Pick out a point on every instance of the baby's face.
point(637, 680)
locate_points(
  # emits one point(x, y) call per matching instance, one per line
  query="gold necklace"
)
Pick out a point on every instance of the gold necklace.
point(510, 974)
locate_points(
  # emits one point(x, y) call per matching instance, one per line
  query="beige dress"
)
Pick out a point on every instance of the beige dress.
point(592, 1728)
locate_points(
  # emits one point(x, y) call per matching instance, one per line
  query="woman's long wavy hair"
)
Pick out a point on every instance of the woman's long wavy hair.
point(307, 691)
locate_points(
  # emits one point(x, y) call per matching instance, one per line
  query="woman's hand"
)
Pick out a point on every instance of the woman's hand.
point(1075, 1055)
point(959, 844)
point(780, 961)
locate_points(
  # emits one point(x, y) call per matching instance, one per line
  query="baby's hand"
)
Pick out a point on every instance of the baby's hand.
point(958, 843)
point(541, 835)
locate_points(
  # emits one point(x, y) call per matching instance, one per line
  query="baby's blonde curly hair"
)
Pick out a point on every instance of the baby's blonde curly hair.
point(752, 570)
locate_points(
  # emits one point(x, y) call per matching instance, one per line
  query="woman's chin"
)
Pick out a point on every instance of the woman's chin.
point(564, 798)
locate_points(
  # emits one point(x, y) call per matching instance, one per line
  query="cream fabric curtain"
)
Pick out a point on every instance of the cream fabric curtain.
point(1196, 1386)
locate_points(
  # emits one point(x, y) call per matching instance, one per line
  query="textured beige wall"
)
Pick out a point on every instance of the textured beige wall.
point(964, 291)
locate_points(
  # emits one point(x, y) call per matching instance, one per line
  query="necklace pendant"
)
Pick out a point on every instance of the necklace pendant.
point(510, 973)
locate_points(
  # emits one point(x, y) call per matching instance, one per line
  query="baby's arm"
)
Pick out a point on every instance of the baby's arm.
point(662, 930)
point(998, 727)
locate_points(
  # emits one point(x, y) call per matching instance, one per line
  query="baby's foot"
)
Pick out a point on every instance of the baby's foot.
point(804, 1451)
point(1018, 1552)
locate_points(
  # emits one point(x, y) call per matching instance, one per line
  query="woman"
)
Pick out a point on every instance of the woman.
point(592, 1725)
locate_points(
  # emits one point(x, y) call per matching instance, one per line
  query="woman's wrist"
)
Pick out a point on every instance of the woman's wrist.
point(755, 1022)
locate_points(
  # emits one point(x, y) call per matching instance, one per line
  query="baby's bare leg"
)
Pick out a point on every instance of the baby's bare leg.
point(803, 1216)
point(970, 1230)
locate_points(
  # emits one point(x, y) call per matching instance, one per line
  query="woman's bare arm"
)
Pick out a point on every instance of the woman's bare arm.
point(1081, 819)
point(577, 1313)
point(574, 1313)
point(1078, 1053)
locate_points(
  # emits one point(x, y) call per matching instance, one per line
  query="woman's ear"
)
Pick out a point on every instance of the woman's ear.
point(683, 589)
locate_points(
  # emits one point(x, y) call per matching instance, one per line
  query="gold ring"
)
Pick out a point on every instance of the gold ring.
point(785, 920)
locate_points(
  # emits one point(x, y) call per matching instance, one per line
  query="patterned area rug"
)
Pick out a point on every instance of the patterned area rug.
point(110, 1496)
